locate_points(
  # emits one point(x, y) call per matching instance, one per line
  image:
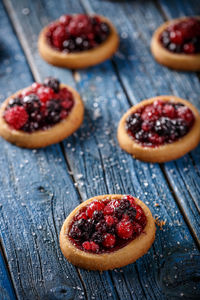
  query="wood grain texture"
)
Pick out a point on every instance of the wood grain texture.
point(37, 195)
point(99, 166)
point(134, 62)
point(6, 287)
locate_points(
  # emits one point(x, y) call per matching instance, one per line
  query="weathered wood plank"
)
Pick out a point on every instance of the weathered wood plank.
point(92, 154)
point(36, 195)
point(134, 61)
point(6, 287)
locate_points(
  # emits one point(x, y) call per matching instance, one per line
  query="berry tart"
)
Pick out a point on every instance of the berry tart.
point(78, 41)
point(41, 115)
point(107, 232)
point(176, 44)
point(160, 129)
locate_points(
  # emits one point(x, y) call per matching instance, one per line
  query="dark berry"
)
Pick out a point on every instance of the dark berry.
point(101, 226)
point(31, 103)
point(133, 122)
point(53, 109)
point(52, 83)
point(182, 37)
point(15, 101)
point(97, 237)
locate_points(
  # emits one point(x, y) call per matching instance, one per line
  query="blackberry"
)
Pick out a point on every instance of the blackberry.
point(101, 226)
point(142, 136)
point(133, 122)
point(31, 103)
point(52, 83)
point(97, 237)
point(53, 110)
point(69, 45)
point(181, 127)
point(164, 126)
point(131, 212)
point(75, 232)
point(97, 215)
point(15, 101)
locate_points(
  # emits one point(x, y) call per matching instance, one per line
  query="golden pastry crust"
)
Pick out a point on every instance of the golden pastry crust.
point(108, 261)
point(83, 59)
point(187, 62)
point(165, 152)
point(43, 138)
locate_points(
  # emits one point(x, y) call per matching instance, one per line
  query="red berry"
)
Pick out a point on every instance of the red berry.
point(67, 104)
point(109, 208)
point(82, 216)
point(131, 200)
point(59, 36)
point(45, 93)
point(16, 117)
point(95, 205)
point(176, 37)
point(35, 86)
point(86, 245)
point(26, 92)
point(147, 126)
point(169, 111)
point(137, 228)
point(189, 48)
point(186, 114)
point(65, 19)
point(125, 229)
point(155, 139)
point(94, 247)
point(109, 220)
point(63, 114)
point(109, 240)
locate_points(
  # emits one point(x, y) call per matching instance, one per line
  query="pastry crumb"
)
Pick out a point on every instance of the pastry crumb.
point(160, 223)
point(157, 205)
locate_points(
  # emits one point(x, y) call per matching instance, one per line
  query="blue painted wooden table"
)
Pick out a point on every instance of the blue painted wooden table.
point(40, 187)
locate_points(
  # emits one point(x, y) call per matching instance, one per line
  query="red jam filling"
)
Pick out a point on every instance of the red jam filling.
point(39, 107)
point(107, 225)
point(159, 123)
point(76, 33)
point(182, 37)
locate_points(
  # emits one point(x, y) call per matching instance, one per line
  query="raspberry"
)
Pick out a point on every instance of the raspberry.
point(125, 229)
point(109, 208)
point(109, 220)
point(169, 111)
point(94, 247)
point(82, 216)
point(109, 240)
point(95, 205)
point(16, 117)
point(189, 48)
point(185, 113)
point(45, 93)
point(176, 37)
point(86, 245)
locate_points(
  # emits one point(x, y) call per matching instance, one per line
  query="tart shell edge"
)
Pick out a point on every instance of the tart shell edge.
point(165, 152)
point(108, 261)
point(83, 59)
point(43, 138)
point(182, 62)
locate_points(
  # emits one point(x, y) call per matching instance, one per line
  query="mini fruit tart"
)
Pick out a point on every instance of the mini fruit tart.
point(160, 129)
point(78, 41)
point(176, 44)
point(41, 115)
point(107, 232)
